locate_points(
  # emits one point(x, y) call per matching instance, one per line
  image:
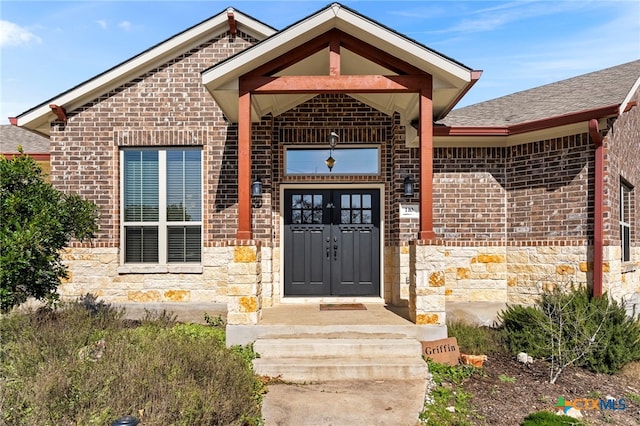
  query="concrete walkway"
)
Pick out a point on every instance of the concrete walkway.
point(341, 402)
point(345, 403)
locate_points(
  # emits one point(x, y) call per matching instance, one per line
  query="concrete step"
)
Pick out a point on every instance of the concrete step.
point(337, 347)
point(327, 359)
point(241, 334)
point(302, 369)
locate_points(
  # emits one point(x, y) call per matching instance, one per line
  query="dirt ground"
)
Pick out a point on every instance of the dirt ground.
point(511, 390)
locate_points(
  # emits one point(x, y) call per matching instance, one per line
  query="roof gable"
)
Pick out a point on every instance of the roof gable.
point(40, 117)
point(450, 78)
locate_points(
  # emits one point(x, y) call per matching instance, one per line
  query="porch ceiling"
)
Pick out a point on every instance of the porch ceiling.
point(450, 79)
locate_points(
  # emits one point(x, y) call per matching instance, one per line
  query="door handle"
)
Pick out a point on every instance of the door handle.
point(328, 248)
point(335, 252)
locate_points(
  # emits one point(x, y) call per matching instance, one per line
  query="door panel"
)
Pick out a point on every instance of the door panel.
point(356, 223)
point(307, 261)
point(332, 243)
point(307, 264)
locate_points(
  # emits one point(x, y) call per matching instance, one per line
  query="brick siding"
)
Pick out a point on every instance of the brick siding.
point(166, 106)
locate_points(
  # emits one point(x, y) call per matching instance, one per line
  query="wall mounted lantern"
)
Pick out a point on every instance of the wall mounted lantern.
point(256, 188)
point(408, 186)
point(333, 141)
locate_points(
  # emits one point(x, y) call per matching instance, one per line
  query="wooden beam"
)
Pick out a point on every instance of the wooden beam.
point(231, 19)
point(344, 40)
point(425, 131)
point(335, 84)
point(290, 58)
point(334, 55)
point(377, 56)
point(244, 166)
point(59, 111)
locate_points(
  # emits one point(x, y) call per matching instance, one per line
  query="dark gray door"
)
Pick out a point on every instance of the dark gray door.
point(332, 242)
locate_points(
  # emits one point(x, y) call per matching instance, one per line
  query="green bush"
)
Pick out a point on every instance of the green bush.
point(520, 326)
point(83, 364)
point(36, 222)
point(573, 327)
point(545, 418)
point(473, 339)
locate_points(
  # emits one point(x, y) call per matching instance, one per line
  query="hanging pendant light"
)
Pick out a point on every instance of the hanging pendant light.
point(330, 162)
point(333, 141)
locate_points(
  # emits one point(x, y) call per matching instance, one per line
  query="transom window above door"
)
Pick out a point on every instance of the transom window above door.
point(348, 161)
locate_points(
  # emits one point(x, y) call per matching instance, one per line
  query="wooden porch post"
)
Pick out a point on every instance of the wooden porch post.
point(425, 131)
point(244, 166)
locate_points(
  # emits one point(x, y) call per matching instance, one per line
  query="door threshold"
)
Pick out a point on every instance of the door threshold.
point(292, 300)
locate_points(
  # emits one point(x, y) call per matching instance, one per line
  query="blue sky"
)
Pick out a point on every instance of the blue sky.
point(48, 47)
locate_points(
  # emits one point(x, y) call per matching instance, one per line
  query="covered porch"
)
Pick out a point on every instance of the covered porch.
point(334, 52)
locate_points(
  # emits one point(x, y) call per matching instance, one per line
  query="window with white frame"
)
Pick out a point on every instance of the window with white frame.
point(625, 220)
point(161, 205)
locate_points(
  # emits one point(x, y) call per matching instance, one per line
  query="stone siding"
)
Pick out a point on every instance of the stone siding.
point(95, 271)
point(536, 268)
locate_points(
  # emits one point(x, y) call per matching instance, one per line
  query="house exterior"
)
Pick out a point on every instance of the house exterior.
point(209, 154)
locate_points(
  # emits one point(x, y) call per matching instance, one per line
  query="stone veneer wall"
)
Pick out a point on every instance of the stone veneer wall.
point(230, 274)
point(95, 271)
point(621, 280)
point(509, 274)
point(397, 275)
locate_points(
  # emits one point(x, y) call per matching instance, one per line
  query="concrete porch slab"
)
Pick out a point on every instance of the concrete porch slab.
point(310, 314)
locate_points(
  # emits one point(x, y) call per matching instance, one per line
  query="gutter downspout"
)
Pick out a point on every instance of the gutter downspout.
point(598, 219)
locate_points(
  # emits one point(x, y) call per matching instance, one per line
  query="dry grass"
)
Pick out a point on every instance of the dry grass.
point(632, 370)
point(84, 365)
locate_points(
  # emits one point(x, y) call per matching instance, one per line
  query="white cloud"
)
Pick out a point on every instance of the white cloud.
point(14, 35)
point(125, 25)
point(102, 23)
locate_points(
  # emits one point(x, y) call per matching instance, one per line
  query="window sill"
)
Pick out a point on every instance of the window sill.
point(628, 267)
point(160, 269)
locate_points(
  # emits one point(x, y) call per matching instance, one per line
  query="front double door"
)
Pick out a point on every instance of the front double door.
point(332, 242)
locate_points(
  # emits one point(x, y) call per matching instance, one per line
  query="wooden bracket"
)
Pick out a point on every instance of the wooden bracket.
point(59, 112)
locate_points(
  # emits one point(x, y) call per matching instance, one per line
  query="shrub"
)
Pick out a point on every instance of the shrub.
point(36, 222)
point(573, 328)
point(519, 326)
point(76, 365)
point(545, 418)
point(473, 339)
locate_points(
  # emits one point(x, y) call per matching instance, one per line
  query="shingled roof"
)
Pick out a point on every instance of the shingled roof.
point(602, 88)
point(12, 136)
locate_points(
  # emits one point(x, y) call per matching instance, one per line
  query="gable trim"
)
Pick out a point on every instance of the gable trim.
point(450, 78)
point(520, 133)
point(39, 117)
